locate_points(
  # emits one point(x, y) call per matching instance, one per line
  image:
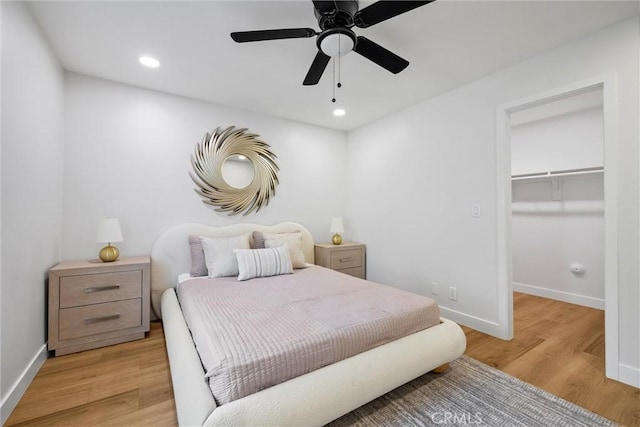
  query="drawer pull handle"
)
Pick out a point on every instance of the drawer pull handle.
point(93, 320)
point(101, 289)
point(346, 259)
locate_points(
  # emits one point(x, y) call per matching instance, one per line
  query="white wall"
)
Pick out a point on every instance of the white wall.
point(127, 155)
point(414, 175)
point(548, 236)
point(31, 175)
point(568, 141)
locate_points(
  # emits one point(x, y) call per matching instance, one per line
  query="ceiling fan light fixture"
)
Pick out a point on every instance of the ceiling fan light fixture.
point(336, 42)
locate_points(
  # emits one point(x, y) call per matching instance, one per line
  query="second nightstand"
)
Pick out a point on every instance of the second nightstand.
point(348, 258)
point(94, 304)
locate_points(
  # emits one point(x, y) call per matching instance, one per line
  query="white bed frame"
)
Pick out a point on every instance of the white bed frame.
point(315, 398)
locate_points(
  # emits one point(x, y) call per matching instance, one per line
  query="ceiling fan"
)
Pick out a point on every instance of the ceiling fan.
point(335, 19)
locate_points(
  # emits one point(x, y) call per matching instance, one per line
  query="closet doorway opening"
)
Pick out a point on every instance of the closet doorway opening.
point(557, 207)
point(557, 200)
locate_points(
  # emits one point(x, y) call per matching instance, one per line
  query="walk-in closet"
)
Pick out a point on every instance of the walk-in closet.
point(558, 200)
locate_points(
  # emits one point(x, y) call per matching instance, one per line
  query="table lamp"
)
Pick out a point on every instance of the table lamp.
point(109, 232)
point(337, 227)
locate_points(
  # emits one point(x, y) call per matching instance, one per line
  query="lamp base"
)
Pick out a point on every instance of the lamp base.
point(336, 239)
point(109, 253)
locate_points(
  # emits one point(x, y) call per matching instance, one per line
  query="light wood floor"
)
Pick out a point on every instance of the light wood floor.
point(558, 347)
point(123, 385)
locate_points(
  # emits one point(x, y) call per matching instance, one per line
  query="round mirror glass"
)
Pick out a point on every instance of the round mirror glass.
point(238, 171)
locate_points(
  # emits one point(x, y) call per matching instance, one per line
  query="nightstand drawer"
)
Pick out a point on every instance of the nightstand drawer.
point(96, 288)
point(346, 259)
point(98, 318)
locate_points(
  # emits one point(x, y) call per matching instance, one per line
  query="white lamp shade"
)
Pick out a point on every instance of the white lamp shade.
point(109, 231)
point(337, 225)
point(336, 44)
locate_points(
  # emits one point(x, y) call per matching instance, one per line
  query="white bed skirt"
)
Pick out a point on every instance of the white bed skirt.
point(315, 398)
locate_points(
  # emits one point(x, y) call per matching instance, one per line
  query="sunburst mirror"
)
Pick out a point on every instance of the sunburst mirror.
point(234, 171)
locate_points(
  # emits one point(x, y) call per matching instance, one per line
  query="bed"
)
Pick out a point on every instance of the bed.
point(314, 398)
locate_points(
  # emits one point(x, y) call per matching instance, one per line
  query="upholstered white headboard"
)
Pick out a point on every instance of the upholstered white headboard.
point(171, 255)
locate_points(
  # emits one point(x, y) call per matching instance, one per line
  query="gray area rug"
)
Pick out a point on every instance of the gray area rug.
point(470, 393)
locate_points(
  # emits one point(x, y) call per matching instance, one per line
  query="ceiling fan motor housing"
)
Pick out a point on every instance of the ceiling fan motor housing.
point(334, 14)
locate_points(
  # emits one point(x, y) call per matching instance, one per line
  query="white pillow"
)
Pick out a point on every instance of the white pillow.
point(263, 262)
point(293, 241)
point(219, 256)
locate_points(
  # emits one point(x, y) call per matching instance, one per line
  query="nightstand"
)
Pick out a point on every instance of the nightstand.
point(95, 304)
point(348, 258)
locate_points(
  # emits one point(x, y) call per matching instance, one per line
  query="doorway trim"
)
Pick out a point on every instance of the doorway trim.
point(608, 85)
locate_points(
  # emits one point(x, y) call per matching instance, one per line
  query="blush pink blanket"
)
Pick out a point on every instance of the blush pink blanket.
point(254, 334)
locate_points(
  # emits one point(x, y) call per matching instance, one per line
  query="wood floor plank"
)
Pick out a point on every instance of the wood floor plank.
point(36, 404)
point(155, 386)
point(558, 347)
point(90, 414)
point(160, 415)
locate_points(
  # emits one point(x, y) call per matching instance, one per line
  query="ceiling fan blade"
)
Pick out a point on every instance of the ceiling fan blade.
point(317, 68)
point(381, 56)
point(383, 10)
point(260, 35)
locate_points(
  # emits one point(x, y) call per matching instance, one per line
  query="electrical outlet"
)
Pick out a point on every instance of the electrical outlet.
point(434, 288)
point(453, 293)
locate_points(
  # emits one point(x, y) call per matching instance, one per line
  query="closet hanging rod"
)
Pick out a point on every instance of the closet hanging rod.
point(558, 173)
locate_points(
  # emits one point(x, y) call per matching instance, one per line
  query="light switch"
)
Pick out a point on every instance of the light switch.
point(475, 210)
point(434, 288)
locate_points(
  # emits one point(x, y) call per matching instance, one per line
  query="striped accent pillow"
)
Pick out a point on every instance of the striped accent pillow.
point(263, 262)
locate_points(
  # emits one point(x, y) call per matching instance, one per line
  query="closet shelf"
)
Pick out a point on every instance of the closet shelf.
point(556, 184)
point(557, 174)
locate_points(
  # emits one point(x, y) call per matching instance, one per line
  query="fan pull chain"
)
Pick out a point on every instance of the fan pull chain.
point(333, 62)
point(338, 85)
point(339, 56)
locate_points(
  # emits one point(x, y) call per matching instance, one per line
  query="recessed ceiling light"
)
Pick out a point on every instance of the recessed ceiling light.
point(338, 112)
point(149, 61)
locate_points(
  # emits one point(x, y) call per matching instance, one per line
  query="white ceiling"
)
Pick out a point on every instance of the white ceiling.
point(448, 43)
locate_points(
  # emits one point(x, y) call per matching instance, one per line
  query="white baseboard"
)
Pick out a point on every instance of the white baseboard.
point(559, 295)
point(629, 375)
point(10, 401)
point(477, 323)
